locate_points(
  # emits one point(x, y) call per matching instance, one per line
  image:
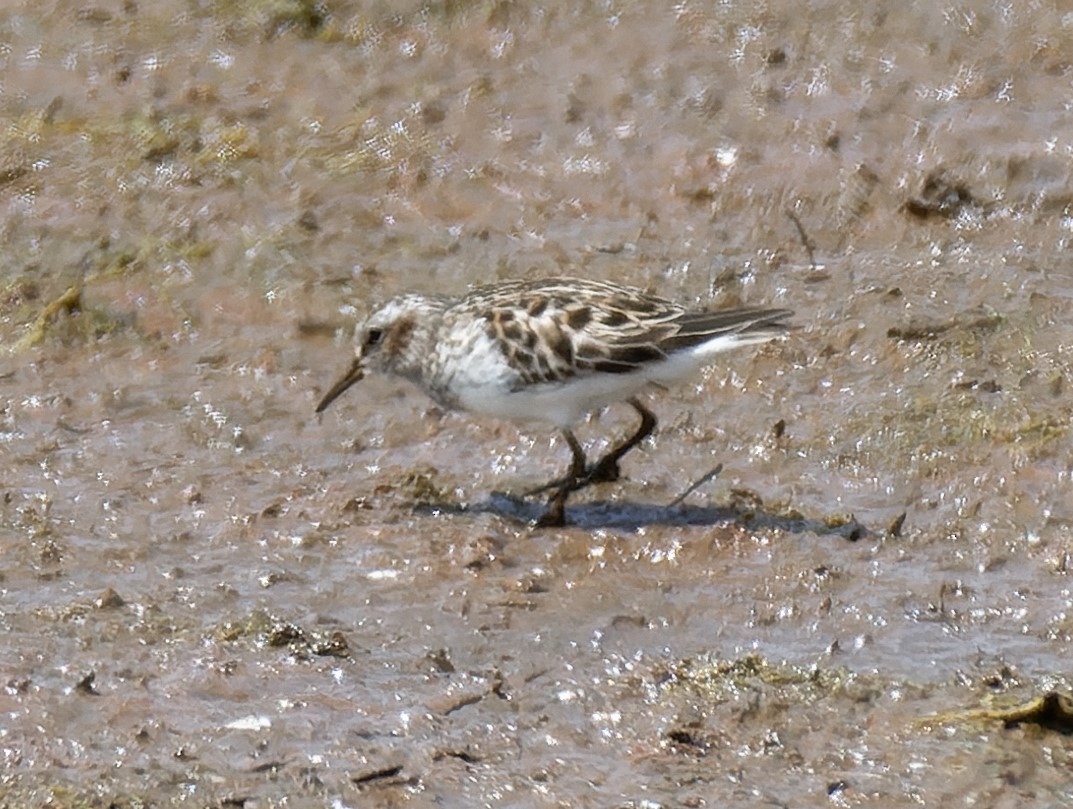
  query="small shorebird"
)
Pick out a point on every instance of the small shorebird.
point(553, 351)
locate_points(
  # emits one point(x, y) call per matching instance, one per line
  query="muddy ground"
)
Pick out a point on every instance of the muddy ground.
point(211, 597)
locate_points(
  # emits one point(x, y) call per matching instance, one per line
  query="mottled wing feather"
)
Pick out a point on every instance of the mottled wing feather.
point(695, 328)
point(602, 309)
point(555, 329)
point(539, 348)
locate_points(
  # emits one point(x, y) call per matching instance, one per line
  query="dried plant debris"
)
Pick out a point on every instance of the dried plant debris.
point(972, 321)
point(856, 197)
point(1052, 711)
point(941, 196)
point(895, 527)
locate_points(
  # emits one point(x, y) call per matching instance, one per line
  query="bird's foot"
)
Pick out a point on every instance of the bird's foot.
point(556, 484)
point(604, 471)
point(555, 516)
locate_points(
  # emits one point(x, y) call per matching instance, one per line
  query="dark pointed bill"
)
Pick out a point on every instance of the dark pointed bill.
point(355, 374)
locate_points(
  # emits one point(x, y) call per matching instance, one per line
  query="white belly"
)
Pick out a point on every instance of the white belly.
point(482, 382)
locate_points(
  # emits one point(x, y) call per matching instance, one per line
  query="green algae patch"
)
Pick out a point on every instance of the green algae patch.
point(272, 18)
point(261, 629)
point(721, 679)
point(1052, 711)
point(68, 319)
point(70, 301)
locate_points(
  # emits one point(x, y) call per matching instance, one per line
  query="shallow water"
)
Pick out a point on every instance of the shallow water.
point(210, 595)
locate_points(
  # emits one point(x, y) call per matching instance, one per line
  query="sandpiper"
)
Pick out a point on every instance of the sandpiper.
point(552, 350)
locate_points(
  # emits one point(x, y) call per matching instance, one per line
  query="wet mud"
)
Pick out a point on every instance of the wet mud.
point(209, 596)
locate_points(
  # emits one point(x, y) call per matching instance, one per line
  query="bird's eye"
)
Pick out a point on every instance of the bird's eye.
point(373, 337)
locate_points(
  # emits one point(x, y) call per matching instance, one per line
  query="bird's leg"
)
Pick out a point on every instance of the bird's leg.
point(603, 471)
point(606, 469)
point(555, 516)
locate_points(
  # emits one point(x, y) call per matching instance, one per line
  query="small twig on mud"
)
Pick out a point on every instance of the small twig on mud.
point(805, 240)
point(693, 487)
